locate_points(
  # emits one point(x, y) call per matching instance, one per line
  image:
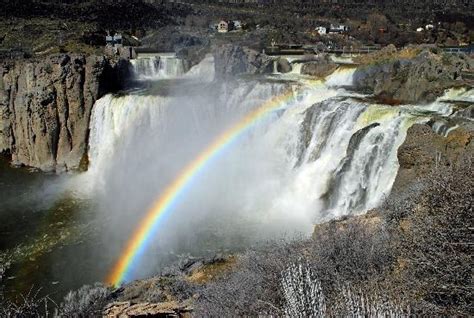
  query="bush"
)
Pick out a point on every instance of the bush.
point(435, 240)
point(88, 301)
point(335, 274)
point(29, 305)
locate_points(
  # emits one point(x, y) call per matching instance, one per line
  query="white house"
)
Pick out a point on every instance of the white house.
point(223, 27)
point(237, 25)
point(429, 27)
point(420, 30)
point(321, 30)
point(338, 28)
point(114, 41)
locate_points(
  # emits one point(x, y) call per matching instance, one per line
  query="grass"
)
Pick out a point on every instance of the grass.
point(212, 271)
point(386, 56)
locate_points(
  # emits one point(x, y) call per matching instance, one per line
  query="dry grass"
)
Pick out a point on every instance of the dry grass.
point(387, 54)
point(210, 272)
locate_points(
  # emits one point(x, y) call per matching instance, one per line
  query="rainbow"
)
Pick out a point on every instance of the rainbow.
point(138, 242)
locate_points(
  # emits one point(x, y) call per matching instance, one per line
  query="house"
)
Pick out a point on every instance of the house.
point(118, 40)
point(338, 28)
point(223, 27)
point(114, 41)
point(237, 25)
point(321, 30)
point(420, 30)
point(109, 40)
point(429, 27)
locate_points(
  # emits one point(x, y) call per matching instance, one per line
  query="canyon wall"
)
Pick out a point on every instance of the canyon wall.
point(45, 107)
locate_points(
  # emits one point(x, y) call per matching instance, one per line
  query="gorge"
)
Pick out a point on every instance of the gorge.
point(327, 149)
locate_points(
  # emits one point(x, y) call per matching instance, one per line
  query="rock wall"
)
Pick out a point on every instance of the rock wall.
point(45, 107)
point(423, 151)
point(412, 80)
point(231, 60)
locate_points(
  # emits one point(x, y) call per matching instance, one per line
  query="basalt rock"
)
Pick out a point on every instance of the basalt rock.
point(423, 151)
point(319, 67)
point(412, 80)
point(231, 60)
point(283, 66)
point(166, 309)
point(45, 107)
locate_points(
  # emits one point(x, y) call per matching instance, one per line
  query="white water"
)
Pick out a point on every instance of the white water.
point(159, 67)
point(322, 155)
point(203, 71)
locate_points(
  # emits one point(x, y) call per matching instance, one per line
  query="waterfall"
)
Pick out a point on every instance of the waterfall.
point(203, 71)
point(325, 153)
point(317, 149)
point(275, 67)
point(343, 76)
point(296, 68)
point(158, 67)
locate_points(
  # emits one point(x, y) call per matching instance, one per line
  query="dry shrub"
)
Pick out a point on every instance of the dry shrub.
point(435, 243)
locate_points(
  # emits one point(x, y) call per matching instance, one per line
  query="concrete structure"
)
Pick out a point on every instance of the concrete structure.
point(140, 52)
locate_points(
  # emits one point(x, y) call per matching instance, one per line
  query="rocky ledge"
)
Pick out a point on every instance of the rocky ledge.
point(45, 107)
point(411, 75)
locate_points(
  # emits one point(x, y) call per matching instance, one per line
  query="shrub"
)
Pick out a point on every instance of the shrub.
point(88, 301)
point(29, 305)
point(435, 243)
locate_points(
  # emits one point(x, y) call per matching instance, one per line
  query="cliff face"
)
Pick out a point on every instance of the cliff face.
point(425, 151)
point(415, 80)
point(231, 60)
point(45, 106)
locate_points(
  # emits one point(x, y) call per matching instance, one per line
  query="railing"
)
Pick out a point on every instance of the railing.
point(459, 49)
point(294, 49)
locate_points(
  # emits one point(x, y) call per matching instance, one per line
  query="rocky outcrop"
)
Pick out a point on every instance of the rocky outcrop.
point(231, 60)
point(45, 107)
point(172, 294)
point(283, 65)
point(319, 67)
point(166, 309)
point(412, 80)
point(424, 150)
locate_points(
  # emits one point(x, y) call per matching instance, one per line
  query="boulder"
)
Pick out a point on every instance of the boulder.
point(319, 67)
point(283, 65)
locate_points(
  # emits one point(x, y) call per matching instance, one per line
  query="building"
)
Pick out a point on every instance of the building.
point(321, 30)
point(429, 27)
point(420, 30)
point(115, 41)
point(340, 28)
point(223, 27)
point(237, 25)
